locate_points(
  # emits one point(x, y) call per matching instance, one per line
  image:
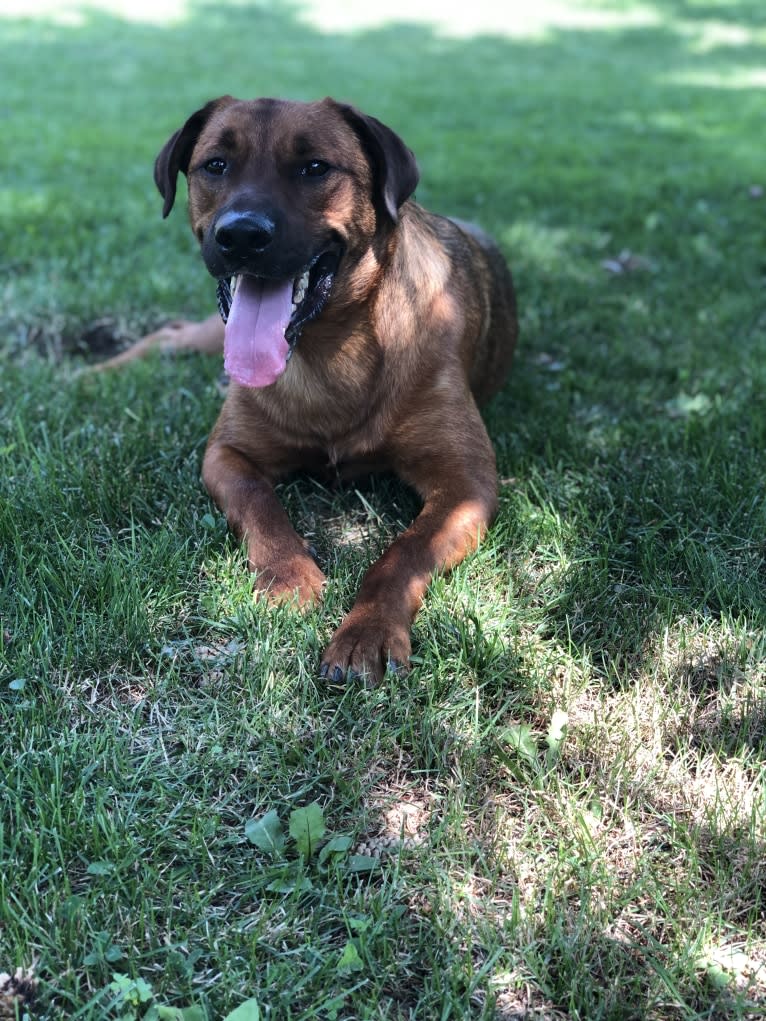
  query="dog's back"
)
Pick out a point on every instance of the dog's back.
point(493, 356)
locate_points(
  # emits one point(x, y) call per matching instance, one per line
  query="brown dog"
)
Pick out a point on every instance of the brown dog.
point(361, 334)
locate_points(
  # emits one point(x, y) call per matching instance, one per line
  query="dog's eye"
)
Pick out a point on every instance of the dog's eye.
point(314, 168)
point(216, 166)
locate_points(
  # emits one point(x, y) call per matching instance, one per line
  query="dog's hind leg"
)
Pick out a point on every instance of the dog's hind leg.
point(180, 335)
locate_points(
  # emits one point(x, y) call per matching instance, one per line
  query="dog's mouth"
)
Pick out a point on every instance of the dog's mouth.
point(264, 318)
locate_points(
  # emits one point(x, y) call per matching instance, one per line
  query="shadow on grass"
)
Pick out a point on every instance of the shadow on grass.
point(570, 146)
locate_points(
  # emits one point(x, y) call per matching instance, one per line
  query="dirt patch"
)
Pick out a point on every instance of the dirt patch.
point(98, 339)
point(17, 991)
point(101, 338)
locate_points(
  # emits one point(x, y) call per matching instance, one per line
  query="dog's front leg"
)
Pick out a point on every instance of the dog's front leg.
point(459, 488)
point(284, 569)
point(376, 632)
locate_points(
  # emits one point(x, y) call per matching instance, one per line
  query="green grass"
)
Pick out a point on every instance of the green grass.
point(150, 707)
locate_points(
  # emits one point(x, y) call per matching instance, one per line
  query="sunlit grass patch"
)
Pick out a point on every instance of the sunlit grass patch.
point(69, 14)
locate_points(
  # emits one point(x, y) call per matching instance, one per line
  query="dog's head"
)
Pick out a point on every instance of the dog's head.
point(280, 194)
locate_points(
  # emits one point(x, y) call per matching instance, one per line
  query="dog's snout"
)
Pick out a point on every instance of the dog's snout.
point(244, 233)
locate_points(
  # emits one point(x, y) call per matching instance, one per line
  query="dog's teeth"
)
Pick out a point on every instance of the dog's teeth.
point(299, 288)
point(234, 284)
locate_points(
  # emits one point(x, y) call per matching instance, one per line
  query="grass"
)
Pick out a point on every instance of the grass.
point(613, 868)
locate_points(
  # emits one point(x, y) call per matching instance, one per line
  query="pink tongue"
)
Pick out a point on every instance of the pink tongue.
point(254, 349)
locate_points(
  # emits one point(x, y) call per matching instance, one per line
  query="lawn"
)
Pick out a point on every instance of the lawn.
point(561, 812)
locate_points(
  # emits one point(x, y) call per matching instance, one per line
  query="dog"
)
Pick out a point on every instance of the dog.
point(362, 332)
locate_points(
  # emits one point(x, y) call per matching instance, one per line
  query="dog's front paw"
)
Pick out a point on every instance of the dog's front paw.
point(365, 646)
point(297, 580)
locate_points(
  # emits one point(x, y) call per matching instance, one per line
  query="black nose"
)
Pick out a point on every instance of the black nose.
point(244, 233)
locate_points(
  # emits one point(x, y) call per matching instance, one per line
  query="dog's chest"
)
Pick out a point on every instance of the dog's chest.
point(338, 457)
point(337, 423)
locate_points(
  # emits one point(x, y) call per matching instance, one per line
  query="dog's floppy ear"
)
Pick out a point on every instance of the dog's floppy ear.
point(395, 171)
point(176, 152)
